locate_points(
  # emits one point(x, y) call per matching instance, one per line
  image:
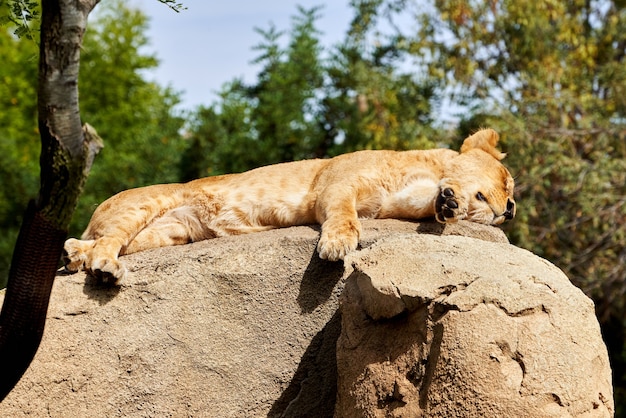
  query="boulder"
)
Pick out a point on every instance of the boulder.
point(453, 327)
point(247, 326)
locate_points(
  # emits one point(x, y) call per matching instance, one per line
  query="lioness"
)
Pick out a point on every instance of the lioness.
point(335, 193)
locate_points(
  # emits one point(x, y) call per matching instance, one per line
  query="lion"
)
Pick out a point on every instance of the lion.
point(471, 184)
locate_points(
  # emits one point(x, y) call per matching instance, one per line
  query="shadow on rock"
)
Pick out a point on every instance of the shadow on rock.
point(432, 228)
point(101, 292)
point(312, 391)
point(318, 281)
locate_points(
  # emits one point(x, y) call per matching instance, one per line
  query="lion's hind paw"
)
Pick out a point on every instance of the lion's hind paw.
point(80, 254)
point(107, 271)
point(75, 254)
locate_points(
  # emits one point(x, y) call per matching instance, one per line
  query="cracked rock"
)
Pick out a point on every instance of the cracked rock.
point(456, 327)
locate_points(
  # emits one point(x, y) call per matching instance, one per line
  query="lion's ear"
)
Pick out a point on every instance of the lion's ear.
point(486, 140)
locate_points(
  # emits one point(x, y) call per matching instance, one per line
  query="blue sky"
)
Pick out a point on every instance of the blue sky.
point(211, 42)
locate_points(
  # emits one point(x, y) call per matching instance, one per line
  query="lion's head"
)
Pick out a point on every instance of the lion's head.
point(484, 182)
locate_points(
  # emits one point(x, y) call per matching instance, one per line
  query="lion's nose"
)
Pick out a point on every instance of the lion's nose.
point(510, 209)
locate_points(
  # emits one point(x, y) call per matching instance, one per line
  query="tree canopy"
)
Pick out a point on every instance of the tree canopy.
point(309, 102)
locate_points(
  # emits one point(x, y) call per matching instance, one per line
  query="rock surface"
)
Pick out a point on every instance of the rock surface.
point(461, 328)
point(248, 326)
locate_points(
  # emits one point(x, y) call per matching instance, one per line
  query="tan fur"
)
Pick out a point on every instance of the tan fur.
point(335, 193)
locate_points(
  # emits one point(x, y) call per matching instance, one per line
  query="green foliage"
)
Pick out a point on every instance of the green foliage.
point(271, 121)
point(284, 97)
point(374, 100)
point(218, 140)
point(21, 14)
point(371, 103)
point(19, 138)
point(135, 117)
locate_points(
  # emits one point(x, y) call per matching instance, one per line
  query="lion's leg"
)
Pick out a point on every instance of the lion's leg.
point(177, 227)
point(162, 235)
point(341, 228)
point(99, 255)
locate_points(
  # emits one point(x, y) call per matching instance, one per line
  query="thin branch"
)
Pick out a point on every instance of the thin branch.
point(172, 4)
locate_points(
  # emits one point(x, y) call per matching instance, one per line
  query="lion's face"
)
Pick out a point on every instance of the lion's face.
point(485, 183)
point(478, 187)
point(493, 203)
point(489, 189)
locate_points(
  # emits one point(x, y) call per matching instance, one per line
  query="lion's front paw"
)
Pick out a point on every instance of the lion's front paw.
point(337, 248)
point(107, 270)
point(338, 240)
point(450, 206)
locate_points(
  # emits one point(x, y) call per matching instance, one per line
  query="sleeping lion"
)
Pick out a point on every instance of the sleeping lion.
point(335, 193)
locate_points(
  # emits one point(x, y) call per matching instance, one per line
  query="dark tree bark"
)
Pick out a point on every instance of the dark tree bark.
point(67, 152)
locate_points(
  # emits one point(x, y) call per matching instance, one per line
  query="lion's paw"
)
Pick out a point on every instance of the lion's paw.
point(336, 249)
point(75, 254)
point(336, 242)
point(107, 270)
point(450, 206)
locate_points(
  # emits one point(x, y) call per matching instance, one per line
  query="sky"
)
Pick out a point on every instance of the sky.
point(211, 42)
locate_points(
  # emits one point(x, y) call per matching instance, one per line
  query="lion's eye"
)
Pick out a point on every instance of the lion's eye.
point(481, 197)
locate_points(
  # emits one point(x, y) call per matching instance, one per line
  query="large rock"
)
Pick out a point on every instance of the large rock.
point(241, 326)
point(454, 327)
point(232, 327)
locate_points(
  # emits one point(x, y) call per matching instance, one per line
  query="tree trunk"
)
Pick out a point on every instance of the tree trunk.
point(67, 152)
